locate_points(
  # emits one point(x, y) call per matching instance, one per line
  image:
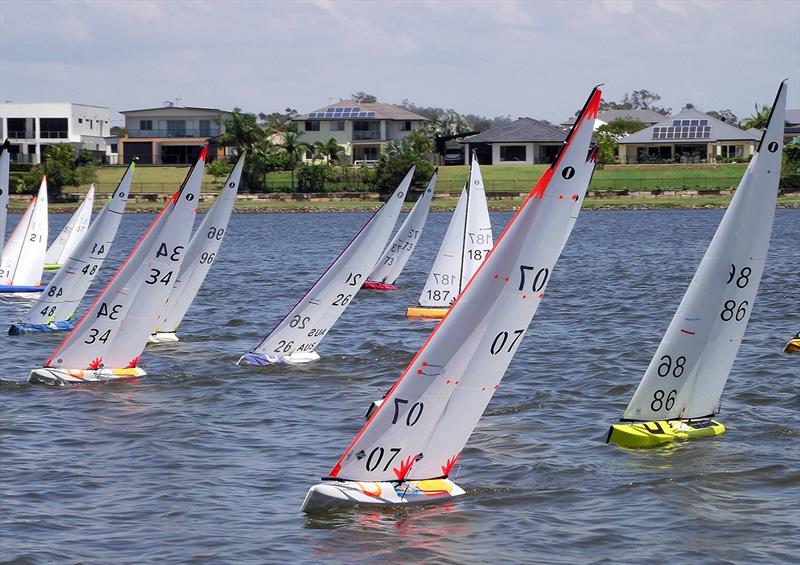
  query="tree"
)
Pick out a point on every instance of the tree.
point(394, 164)
point(759, 119)
point(294, 149)
point(450, 123)
point(724, 115)
point(218, 169)
point(62, 169)
point(688, 106)
point(636, 100)
point(330, 150)
point(278, 121)
point(363, 98)
point(243, 133)
point(608, 136)
point(622, 126)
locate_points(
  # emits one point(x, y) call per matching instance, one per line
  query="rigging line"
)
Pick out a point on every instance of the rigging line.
point(468, 189)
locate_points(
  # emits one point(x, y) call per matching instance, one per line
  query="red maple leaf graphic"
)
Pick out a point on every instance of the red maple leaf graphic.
point(447, 467)
point(405, 467)
point(96, 363)
point(133, 362)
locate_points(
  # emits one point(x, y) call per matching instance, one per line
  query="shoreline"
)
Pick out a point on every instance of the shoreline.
point(268, 206)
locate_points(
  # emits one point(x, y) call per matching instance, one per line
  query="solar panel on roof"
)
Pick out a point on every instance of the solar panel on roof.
point(682, 132)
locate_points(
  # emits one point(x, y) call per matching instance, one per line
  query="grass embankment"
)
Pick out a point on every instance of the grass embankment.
point(514, 178)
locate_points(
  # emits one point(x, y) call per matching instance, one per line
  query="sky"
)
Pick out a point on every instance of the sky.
point(517, 58)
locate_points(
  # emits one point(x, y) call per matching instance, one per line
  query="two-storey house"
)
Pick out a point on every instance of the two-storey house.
point(33, 126)
point(170, 135)
point(362, 129)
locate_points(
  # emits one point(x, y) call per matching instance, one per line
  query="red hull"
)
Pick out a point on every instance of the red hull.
point(378, 286)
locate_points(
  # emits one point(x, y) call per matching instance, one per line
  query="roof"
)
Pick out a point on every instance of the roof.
point(168, 108)
point(792, 117)
point(701, 127)
point(379, 110)
point(521, 130)
point(644, 116)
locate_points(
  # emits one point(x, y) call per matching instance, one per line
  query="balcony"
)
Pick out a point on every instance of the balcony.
point(22, 134)
point(178, 133)
point(53, 134)
point(31, 134)
point(372, 135)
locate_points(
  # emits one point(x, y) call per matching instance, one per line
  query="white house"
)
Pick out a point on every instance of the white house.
point(170, 135)
point(362, 129)
point(32, 126)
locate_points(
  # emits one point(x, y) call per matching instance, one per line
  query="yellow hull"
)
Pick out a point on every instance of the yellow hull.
point(661, 432)
point(425, 312)
point(51, 267)
point(792, 346)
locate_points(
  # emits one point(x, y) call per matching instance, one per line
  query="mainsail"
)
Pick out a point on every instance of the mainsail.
point(296, 337)
point(201, 253)
point(63, 294)
point(23, 254)
point(399, 250)
point(5, 168)
point(686, 376)
point(72, 233)
point(465, 245)
point(113, 331)
point(426, 418)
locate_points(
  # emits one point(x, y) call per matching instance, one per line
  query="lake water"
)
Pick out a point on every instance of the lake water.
point(208, 462)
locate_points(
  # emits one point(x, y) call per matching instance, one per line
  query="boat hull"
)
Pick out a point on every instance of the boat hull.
point(163, 337)
point(792, 346)
point(259, 360)
point(62, 377)
point(51, 267)
point(372, 285)
point(346, 494)
point(20, 328)
point(20, 289)
point(661, 432)
point(426, 312)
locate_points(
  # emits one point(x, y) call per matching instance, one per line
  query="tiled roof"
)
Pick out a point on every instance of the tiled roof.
point(644, 116)
point(720, 131)
point(523, 130)
point(217, 110)
point(382, 111)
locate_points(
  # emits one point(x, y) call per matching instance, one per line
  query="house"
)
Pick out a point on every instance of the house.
point(523, 141)
point(171, 135)
point(363, 130)
point(33, 126)
point(688, 137)
point(791, 130)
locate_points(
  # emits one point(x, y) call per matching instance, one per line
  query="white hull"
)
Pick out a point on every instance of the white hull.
point(63, 377)
point(345, 494)
point(162, 337)
point(296, 358)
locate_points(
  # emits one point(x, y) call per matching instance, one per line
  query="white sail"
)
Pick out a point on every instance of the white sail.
point(23, 254)
point(686, 376)
point(465, 245)
point(5, 168)
point(399, 250)
point(113, 332)
point(73, 233)
point(63, 294)
point(201, 253)
point(309, 321)
point(426, 418)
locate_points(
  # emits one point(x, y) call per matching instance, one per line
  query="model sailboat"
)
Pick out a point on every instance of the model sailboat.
point(5, 169)
point(200, 255)
point(465, 245)
point(109, 339)
point(680, 392)
point(409, 445)
point(399, 250)
point(54, 309)
point(296, 337)
point(23, 255)
point(72, 234)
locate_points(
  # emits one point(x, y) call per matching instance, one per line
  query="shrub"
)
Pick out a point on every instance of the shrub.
point(314, 178)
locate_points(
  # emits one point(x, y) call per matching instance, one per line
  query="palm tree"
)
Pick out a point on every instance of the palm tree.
point(329, 150)
point(759, 119)
point(244, 134)
point(294, 149)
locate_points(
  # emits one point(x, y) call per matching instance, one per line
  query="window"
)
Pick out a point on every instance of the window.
point(114, 148)
point(405, 126)
point(337, 126)
point(90, 124)
point(513, 153)
point(312, 126)
point(80, 120)
point(176, 128)
point(145, 124)
point(309, 155)
point(205, 128)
